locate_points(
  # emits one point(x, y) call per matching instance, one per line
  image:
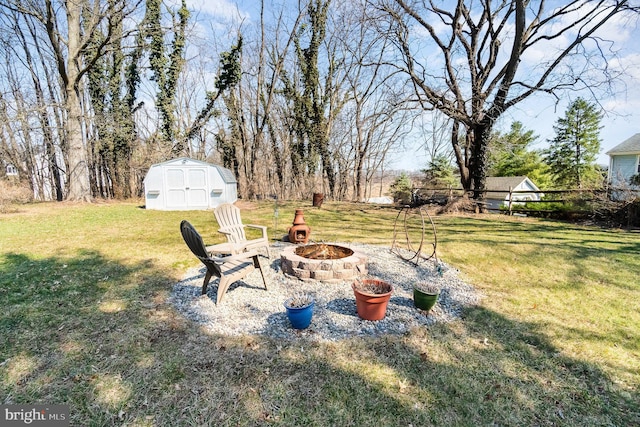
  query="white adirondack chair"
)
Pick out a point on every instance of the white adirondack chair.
point(230, 223)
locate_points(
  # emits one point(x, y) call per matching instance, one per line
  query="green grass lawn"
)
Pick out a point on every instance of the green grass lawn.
point(85, 322)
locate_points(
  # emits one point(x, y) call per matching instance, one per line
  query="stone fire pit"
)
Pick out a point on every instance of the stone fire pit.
point(323, 262)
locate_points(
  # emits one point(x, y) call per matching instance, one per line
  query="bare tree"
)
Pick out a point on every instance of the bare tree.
point(377, 101)
point(16, 149)
point(271, 61)
point(49, 112)
point(487, 56)
point(69, 26)
point(435, 129)
point(316, 94)
point(112, 92)
point(34, 104)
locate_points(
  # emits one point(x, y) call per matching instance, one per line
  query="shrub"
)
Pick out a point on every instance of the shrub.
point(12, 192)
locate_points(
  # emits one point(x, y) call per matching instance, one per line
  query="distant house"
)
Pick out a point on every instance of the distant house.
point(187, 184)
point(624, 161)
point(10, 170)
point(498, 187)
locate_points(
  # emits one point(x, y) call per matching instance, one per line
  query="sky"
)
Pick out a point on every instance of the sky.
point(621, 113)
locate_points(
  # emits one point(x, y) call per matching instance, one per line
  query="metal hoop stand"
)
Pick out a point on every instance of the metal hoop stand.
point(406, 222)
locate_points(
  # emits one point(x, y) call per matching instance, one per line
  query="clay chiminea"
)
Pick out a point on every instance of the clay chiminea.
point(300, 231)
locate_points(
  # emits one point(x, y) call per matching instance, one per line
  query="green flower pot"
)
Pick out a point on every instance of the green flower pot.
point(424, 301)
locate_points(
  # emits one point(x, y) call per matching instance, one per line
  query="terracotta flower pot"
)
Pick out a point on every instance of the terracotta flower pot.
point(371, 306)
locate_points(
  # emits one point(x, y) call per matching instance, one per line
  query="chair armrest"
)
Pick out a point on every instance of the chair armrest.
point(228, 233)
point(223, 248)
point(259, 227)
point(237, 257)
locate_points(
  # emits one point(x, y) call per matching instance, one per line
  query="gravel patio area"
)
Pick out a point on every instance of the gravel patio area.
point(248, 308)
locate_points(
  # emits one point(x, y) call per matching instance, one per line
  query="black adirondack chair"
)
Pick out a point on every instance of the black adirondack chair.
point(228, 269)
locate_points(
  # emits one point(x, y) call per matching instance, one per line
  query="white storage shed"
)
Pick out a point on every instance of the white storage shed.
point(186, 184)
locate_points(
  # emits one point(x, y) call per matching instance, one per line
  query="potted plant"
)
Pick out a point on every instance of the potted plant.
point(300, 310)
point(372, 298)
point(425, 295)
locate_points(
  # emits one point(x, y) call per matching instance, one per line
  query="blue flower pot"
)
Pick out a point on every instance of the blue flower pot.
point(300, 317)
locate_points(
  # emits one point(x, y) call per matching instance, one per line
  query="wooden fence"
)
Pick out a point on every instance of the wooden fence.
point(560, 197)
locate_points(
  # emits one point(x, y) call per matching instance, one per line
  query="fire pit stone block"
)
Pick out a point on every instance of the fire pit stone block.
point(325, 270)
point(326, 266)
point(302, 274)
point(322, 275)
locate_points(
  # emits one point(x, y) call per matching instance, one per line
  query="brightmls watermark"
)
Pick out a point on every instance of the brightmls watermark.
point(34, 415)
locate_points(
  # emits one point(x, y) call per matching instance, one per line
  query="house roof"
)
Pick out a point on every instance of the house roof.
point(503, 183)
point(629, 146)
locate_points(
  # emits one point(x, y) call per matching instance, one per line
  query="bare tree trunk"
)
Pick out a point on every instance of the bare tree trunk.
point(79, 185)
point(481, 135)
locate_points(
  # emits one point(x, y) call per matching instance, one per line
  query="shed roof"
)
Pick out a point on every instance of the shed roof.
point(227, 176)
point(628, 146)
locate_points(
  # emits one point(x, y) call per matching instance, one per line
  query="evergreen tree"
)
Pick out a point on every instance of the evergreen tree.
point(440, 172)
point(510, 155)
point(572, 153)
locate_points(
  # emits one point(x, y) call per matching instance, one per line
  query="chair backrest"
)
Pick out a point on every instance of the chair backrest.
point(229, 220)
point(195, 243)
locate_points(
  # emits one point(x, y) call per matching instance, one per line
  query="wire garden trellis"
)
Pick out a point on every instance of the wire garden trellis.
point(416, 244)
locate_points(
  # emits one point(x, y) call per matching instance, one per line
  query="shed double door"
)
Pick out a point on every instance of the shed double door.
point(186, 187)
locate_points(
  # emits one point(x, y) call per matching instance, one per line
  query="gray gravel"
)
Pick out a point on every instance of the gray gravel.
point(248, 308)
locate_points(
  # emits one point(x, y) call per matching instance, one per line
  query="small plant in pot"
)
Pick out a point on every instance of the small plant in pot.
point(372, 298)
point(425, 295)
point(300, 310)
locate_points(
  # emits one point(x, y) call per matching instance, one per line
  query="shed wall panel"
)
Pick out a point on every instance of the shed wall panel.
point(188, 184)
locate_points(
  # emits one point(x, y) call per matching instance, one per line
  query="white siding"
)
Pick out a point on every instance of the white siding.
point(623, 167)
